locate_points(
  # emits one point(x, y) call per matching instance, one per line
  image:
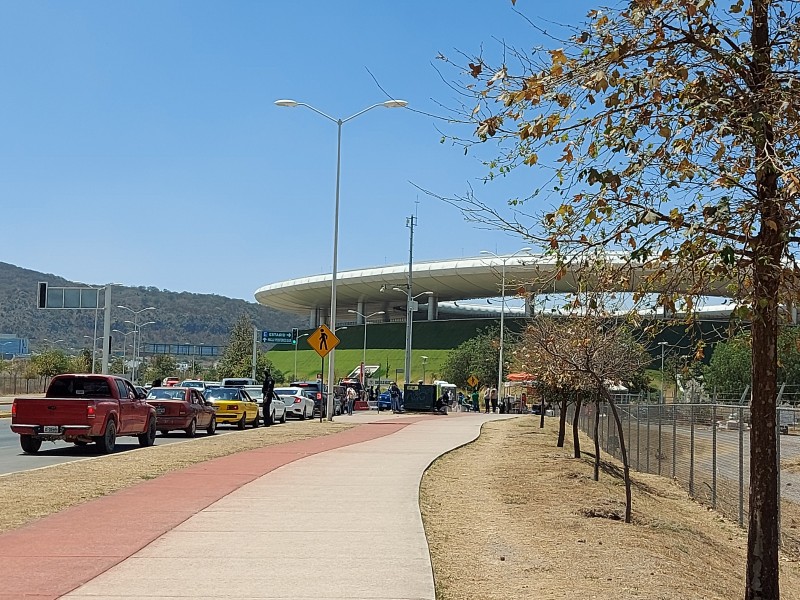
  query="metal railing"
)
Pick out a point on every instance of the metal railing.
point(703, 447)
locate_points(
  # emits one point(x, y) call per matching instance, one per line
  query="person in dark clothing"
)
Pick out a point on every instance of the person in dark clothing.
point(157, 383)
point(267, 391)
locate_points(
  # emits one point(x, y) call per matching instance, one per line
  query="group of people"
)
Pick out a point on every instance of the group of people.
point(491, 402)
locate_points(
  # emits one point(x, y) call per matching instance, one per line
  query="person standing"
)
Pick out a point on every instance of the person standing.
point(394, 394)
point(474, 397)
point(487, 399)
point(267, 390)
point(351, 398)
point(493, 398)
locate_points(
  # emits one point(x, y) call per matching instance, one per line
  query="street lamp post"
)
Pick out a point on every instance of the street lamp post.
point(295, 353)
point(410, 309)
point(135, 323)
point(124, 344)
point(138, 337)
point(339, 123)
point(94, 349)
point(663, 345)
point(504, 260)
point(364, 355)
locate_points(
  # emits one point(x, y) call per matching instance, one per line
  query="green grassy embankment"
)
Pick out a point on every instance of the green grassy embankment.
point(309, 363)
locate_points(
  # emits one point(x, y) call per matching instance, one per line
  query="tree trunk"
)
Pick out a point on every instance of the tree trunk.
point(763, 536)
point(541, 414)
point(562, 422)
point(625, 467)
point(576, 441)
point(596, 440)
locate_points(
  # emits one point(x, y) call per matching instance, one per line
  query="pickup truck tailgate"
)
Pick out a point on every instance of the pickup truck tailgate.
point(50, 411)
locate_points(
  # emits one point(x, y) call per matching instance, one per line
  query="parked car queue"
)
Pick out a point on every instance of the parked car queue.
point(188, 408)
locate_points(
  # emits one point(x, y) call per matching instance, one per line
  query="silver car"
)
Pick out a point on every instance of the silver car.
point(298, 404)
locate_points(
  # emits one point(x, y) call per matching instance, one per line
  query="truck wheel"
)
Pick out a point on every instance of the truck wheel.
point(108, 440)
point(30, 445)
point(212, 426)
point(148, 438)
point(191, 430)
point(241, 424)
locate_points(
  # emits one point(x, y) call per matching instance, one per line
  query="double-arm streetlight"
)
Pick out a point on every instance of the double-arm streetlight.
point(136, 328)
point(364, 355)
point(503, 259)
point(411, 307)
point(125, 335)
point(339, 123)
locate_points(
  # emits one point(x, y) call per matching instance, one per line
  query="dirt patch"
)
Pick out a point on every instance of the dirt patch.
point(34, 494)
point(512, 516)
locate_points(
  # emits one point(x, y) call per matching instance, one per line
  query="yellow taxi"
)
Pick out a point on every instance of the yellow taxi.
point(234, 406)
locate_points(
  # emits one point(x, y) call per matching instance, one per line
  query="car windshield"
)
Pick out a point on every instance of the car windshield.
point(287, 391)
point(222, 394)
point(165, 394)
point(254, 392)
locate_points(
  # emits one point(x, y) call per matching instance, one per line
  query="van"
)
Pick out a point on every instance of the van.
point(237, 382)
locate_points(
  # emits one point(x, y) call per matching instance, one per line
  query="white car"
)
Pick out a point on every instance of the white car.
point(277, 407)
point(299, 402)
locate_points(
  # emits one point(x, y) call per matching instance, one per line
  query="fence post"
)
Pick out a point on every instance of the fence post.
point(714, 457)
point(638, 439)
point(778, 401)
point(741, 466)
point(647, 447)
point(691, 451)
point(660, 448)
point(674, 436)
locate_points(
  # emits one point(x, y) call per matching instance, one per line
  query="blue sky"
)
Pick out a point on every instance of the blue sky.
point(140, 143)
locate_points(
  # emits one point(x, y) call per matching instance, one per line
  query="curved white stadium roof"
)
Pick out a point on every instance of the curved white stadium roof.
point(449, 280)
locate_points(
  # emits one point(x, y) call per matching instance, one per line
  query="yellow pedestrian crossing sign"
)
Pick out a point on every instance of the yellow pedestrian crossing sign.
point(473, 381)
point(323, 340)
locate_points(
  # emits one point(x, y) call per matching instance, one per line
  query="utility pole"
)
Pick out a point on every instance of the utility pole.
point(410, 223)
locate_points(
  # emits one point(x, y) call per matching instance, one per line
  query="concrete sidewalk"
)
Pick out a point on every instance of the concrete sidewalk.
point(335, 521)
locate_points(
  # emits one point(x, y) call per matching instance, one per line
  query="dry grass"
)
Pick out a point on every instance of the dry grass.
point(792, 465)
point(31, 495)
point(513, 516)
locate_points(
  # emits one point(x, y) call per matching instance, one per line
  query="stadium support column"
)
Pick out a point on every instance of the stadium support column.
point(433, 308)
point(360, 313)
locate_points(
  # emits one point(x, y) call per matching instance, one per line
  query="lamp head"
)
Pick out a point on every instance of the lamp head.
point(397, 289)
point(395, 104)
point(288, 103)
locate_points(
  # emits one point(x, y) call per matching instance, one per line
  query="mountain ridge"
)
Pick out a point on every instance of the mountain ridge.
point(179, 318)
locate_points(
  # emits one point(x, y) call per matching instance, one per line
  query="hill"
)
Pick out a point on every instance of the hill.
point(180, 317)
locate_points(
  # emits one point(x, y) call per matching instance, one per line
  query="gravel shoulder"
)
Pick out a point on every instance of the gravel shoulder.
point(34, 494)
point(513, 516)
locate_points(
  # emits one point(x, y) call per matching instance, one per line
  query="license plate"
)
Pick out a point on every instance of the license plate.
point(51, 429)
point(160, 410)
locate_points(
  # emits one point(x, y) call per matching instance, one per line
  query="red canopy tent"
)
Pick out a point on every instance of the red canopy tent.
point(519, 377)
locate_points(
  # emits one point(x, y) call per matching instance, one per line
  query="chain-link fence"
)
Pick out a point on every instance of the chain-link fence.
point(706, 449)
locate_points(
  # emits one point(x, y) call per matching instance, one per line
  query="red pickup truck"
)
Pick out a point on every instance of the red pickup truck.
point(83, 409)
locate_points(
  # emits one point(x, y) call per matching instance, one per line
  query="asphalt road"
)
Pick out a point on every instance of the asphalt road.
point(12, 459)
